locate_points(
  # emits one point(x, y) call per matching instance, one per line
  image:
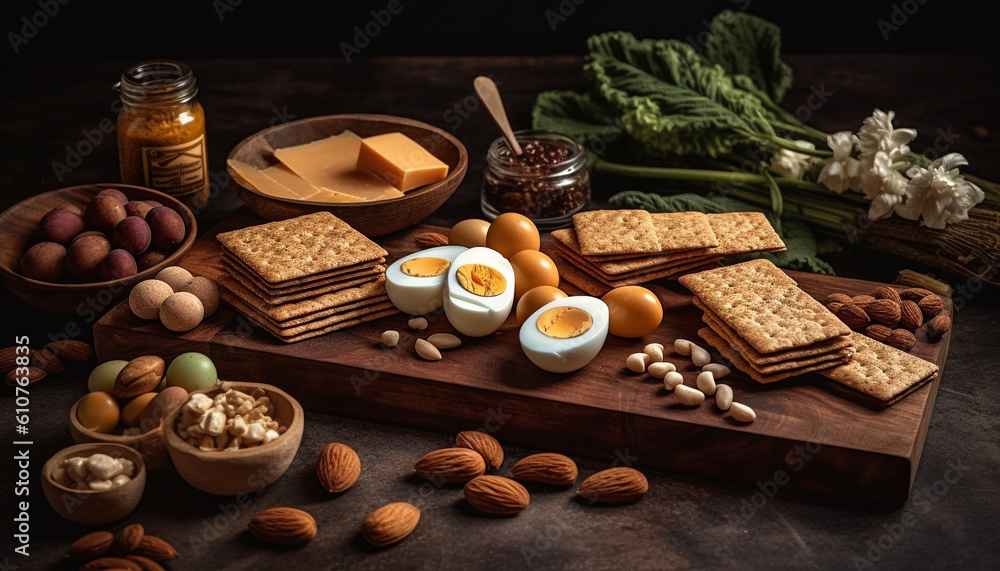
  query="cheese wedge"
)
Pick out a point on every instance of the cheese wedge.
point(329, 164)
point(400, 161)
point(279, 182)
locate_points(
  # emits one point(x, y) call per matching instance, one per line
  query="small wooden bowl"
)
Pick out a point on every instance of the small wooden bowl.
point(149, 445)
point(91, 507)
point(370, 218)
point(19, 223)
point(233, 472)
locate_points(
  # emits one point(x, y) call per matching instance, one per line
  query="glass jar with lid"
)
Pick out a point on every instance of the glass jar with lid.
point(548, 182)
point(161, 131)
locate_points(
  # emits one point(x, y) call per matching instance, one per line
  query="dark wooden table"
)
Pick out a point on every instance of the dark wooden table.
point(51, 112)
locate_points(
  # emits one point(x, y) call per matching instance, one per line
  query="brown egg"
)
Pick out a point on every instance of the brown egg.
point(181, 311)
point(511, 232)
point(98, 411)
point(134, 407)
point(532, 269)
point(165, 402)
point(634, 311)
point(469, 233)
point(535, 298)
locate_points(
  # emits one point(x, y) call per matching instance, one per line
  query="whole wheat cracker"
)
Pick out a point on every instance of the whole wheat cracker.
point(309, 289)
point(678, 231)
point(306, 281)
point(327, 304)
point(882, 372)
point(615, 232)
point(740, 363)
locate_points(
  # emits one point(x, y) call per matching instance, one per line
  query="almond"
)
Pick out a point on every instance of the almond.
point(886, 292)
point(338, 468)
point(138, 376)
point(839, 298)
point(431, 240)
point(496, 495)
point(484, 444)
point(117, 563)
point(862, 300)
point(902, 339)
point(283, 526)
point(450, 465)
point(853, 316)
point(90, 546)
point(910, 315)
point(128, 539)
point(915, 293)
point(938, 326)
point(8, 357)
point(46, 359)
point(878, 332)
point(884, 311)
point(145, 563)
point(834, 306)
point(547, 468)
point(72, 350)
point(390, 523)
point(33, 374)
point(931, 305)
point(155, 548)
point(614, 486)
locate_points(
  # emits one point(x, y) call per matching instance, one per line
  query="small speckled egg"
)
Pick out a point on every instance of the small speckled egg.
point(102, 378)
point(98, 411)
point(175, 276)
point(134, 407)
point(192, 371)
point(207, 292)
point(146, 297)
point(181, 311)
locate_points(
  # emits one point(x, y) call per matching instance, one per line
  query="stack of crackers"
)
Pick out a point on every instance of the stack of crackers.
point(606, 249)
point(303, 277)
point(759, 319)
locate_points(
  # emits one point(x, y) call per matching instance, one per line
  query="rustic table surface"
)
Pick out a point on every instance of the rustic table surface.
point(52, 118)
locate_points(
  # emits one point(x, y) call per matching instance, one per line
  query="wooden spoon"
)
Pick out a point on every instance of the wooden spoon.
point(488, 93)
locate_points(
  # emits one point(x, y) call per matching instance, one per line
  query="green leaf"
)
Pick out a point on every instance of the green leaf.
point(575, 115)
point(747, 45)
point(668, 98)
point(777, 202)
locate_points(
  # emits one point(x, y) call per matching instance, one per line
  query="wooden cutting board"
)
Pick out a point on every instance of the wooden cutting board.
point(807, 436)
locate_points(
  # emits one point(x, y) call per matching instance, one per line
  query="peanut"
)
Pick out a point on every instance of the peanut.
point(659, 370)
point(742, 412)
point(706, 382)
point(699, 356)
point(723, 396)
point(688, 396)
point(672, 380)
point(718, 370)
point(637, 362)
point(682, 346)
point(427, 350)
point(655, 352)
point(390, 338)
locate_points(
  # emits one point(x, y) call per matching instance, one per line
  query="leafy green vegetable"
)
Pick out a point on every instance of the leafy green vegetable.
point(747, 45)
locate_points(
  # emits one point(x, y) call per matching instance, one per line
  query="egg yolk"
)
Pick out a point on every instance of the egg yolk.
point(564, 322)
point(481, 279)
point(425, 267)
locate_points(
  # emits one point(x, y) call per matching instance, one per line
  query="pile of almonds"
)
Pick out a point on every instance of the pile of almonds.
point(49, 360)
point(892, 316)
point(131, 549)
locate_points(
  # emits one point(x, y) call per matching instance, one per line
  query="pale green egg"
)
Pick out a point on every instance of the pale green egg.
point(102, 378)
point(191, 371)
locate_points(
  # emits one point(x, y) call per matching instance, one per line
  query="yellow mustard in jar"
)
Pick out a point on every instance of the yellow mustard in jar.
point(161, 131)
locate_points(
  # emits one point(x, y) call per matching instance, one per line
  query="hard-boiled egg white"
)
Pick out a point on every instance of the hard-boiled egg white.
point(415, 283)
point(566, 334)
point(479, 291)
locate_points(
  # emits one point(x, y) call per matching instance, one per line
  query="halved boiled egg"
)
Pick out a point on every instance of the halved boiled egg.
point(416, 283)
point(566, 334)
point(479, 291)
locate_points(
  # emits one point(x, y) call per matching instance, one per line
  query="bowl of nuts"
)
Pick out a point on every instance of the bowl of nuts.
point(234, 438)
point(94, 483)
point(82, 248)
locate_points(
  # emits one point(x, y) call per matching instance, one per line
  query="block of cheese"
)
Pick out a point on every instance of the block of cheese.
point(329, 164)
point(400, 161)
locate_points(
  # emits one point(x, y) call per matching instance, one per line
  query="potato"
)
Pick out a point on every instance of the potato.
point(167, 228)
point(137, 208)
point(133, 235)
point(115, 193)
point(117, 264)
point(45, 261)
point(85, 253)
point(150, 258)
point(103, 213)
point(60, 225)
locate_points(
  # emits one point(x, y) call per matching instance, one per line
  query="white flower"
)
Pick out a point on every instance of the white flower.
point(841, 171)
point(877, 136)
point(791, 164)
point(938, 194)
point(883, 184)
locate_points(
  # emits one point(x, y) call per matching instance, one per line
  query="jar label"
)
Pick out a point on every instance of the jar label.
point(177, 170)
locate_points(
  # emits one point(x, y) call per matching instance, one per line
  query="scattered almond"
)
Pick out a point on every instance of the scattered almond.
point(444, 340)
point(46, 359)
point(427, 350)
point(33, 374)
point(834, 306)
point(884, 311)
point(614, 486)
point(938, 326)
point(450, 465)
point(742, 412)
point(90, 546)
point(117, 563)
point(145, 563)
point(431, 240)
point(8, 358)
point(546, 468)
point(840, 298)
point(418, 323)
point(862, 300)
point(910, 314)
point(915, 293)
point(283, 526)
point(155, 548)
point(931, 305)
point(853, 316)
point(128, 539)
point(72, 350)
point(886, 292)
point(390, 338)
point(484, 444)
point(390, 523)
point(878, 332)
point(496, 495)
point(901, 339)
point(338, 468)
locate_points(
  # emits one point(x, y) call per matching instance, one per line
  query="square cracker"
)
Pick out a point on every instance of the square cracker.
point(881, 372)
point(764, 306)
point(740, 363)
point(327, 303)
point(299, 247)
point(307, 289)
point(744, 232)
point(678, 231)
point(615, 232)
point(307, 281)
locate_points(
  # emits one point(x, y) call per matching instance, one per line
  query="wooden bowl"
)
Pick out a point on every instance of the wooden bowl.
point(370, 218)
point(149, 445)
point(19, 223)
point(91, 507)
point(233, 472)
